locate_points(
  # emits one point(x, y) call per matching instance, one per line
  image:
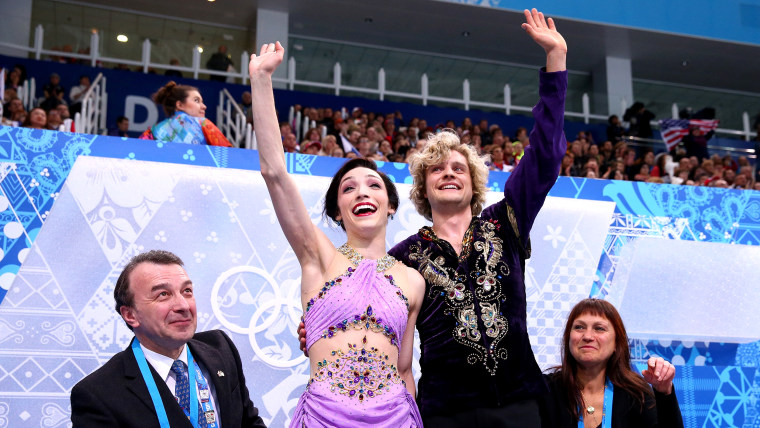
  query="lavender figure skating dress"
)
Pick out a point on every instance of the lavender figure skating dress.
point(357, 386)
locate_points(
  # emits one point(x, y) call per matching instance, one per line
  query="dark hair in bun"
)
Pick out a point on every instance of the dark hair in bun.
point(169, 94)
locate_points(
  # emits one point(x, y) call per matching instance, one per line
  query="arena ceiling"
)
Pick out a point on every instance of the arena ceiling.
point(484, 33)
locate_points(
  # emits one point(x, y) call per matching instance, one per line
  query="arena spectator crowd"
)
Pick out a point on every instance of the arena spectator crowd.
point(51, 111)
point(388, 137)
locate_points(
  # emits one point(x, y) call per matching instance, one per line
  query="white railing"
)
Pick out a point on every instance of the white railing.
point(232, 121)
point(92, 118)
point(301, 124)
point(26, 94)
point(381, 91)
point(94, 57)
point(466, 102)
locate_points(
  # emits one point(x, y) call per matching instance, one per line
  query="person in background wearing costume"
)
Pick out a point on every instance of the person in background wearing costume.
point(595, 386)
point(169, 376)
point(186, 118)
point(360, 305)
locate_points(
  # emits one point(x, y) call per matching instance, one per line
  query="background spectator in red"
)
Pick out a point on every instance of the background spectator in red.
point(497, 159)
point(311, 147)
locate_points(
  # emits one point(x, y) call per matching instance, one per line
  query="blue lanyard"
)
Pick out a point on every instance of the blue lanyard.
point(205, 398)
point(193, 391)
point(163, 420)
point(607, 408)
point(158, 404)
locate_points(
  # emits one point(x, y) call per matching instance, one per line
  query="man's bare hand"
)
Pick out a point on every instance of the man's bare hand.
point(302, 338)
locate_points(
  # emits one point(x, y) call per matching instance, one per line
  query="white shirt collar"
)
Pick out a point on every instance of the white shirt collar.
point(161, 363)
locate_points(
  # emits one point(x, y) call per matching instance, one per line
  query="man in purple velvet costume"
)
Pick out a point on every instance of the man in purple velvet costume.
point(477, 365)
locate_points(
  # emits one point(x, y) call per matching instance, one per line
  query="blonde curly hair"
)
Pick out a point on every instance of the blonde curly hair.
point(438, 148)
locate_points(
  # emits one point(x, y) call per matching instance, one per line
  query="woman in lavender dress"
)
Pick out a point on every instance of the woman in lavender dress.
point(360, 305)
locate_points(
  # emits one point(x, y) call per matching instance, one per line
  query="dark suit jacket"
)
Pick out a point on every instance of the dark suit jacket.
point(115, 395)
point(626, 411)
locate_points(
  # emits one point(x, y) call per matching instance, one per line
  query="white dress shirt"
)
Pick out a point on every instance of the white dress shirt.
point(163, 366)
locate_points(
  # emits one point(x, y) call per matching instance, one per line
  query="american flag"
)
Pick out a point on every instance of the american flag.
point(673, 130)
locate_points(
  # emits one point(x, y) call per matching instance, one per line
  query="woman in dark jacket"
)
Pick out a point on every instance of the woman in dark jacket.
point(595, 385)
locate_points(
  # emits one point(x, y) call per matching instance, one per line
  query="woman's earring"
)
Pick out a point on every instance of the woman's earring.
point(340, 223)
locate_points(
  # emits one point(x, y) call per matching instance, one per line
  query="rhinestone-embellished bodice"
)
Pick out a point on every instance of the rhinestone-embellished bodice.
point(363, 297)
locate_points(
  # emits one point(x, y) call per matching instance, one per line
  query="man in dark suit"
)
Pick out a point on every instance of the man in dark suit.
point(149, 381)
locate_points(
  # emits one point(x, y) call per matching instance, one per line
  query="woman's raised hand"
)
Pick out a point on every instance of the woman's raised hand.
point(266, 61)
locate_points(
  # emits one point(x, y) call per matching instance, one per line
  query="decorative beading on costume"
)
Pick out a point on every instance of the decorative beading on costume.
point(383, 263)
point(364, 298)
point(358, 373)
point(460, 301)
point(368, 321)
point(328, 285)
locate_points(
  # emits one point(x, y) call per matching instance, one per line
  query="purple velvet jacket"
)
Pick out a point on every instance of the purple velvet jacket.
point(472, 324)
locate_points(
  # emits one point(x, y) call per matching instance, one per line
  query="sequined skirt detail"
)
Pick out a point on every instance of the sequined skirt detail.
point(358, 388)
point(358, 373)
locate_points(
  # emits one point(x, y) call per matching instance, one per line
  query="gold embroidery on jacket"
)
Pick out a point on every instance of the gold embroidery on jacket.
point(489, 269)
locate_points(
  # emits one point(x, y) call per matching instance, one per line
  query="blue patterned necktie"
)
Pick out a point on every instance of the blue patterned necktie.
point(182, 391)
